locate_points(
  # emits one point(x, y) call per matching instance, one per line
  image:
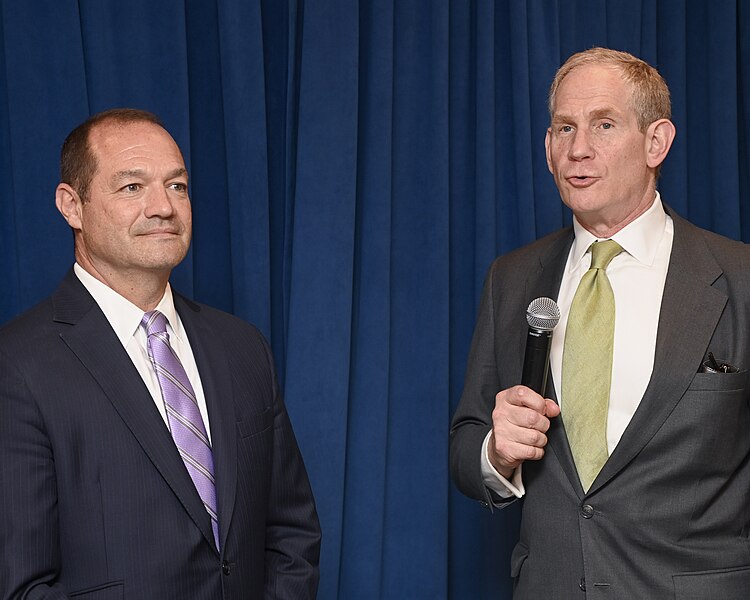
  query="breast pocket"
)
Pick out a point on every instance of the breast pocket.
point(255, 423)
point(713, 415)
point(107, 591)
point(719, 382)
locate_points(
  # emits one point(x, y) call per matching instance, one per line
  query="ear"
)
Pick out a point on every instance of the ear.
point(68, 202)
point(659, 137)
point(546, 149)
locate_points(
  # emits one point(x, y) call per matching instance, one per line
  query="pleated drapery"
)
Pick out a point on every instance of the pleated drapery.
point(355, 166)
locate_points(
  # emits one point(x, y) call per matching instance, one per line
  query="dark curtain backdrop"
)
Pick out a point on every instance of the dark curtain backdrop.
point(355, 166)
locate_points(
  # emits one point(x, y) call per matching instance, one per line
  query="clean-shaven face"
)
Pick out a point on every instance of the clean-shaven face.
point(137, 214)
point(595, 150)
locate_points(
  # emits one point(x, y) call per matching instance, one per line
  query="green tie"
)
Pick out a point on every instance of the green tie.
point(587, 364)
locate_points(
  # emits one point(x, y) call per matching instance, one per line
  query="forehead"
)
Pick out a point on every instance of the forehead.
point(593, 88)
point(115, 143)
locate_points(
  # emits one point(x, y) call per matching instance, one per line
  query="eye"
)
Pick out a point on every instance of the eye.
point(606, 125)
point(565, 128)
point(179, 187)
point(132, 188)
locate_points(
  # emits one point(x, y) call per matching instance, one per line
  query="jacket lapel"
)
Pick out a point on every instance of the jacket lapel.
point(216, 378)
point(546, 282)
point(690, 312)
point(93, 341)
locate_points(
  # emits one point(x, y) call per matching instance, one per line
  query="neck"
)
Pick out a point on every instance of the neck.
point(605, 226)
point(144, 289)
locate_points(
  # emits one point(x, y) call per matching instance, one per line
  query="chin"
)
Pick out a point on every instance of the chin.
point(161, 261)
point(584, 203)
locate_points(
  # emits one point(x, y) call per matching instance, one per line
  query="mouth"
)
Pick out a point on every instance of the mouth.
point(160, 233)
point(581, 181)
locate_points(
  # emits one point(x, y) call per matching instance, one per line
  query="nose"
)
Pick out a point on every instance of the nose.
point(580, 146)
point(159, 204)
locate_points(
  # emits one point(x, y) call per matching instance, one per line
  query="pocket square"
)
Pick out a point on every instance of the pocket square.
point(712, 365)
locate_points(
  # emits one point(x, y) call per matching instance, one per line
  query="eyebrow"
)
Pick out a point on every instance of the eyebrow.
point(604, 112)
point(130, 173)
point(599, 113)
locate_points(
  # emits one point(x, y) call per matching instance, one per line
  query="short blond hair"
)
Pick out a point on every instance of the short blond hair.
point(650, 94)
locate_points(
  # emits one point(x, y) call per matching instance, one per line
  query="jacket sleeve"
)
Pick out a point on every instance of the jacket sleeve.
point(292, 529)
point(29, 548)
point(473, 417)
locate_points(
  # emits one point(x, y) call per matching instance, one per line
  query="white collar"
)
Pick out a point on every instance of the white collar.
point(124, 316)
point(640, 239)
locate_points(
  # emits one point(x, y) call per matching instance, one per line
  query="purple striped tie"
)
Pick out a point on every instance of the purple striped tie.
point(183, 415)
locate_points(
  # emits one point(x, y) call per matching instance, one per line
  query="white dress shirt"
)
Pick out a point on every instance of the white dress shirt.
point(637, 276)
point(125, 319)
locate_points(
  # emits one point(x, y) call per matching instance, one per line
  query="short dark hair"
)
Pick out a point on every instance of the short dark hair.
point(77, 160)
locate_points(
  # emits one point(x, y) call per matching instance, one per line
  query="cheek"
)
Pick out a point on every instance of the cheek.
point(186, 216)
point(95, 222)
point(555, 157)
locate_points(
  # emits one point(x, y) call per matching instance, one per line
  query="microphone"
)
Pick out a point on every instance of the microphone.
point(542, 315)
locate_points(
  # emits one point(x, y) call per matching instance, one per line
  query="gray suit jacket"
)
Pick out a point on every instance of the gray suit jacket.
point(669, 514)
point(96, 501)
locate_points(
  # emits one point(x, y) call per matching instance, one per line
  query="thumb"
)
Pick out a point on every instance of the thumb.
point(551, 409)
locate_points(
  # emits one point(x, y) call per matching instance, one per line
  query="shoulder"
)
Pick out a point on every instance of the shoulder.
point(519, 262)
point(732, 256)
point(27, 328)
point(233, 331)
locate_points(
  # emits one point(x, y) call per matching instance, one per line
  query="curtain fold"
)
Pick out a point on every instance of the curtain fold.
point(366, 471)
point(355, 167)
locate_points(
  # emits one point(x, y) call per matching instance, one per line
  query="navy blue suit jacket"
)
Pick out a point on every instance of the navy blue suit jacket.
point(96, 502)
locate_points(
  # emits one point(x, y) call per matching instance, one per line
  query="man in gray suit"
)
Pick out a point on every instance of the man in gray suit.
point(664, 511)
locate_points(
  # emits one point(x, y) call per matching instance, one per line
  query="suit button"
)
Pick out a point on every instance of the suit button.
point(226, 568)
point(582, 584)
point(587, 511)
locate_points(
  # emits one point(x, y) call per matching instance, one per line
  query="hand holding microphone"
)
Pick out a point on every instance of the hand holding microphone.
point(521, 416)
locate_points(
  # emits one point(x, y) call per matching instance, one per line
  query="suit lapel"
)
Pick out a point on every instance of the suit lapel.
point(546, 282)
point(95, 344)
point(690, 311)
point(216, 378)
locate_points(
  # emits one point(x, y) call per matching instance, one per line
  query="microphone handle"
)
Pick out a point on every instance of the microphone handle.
point(536, 360)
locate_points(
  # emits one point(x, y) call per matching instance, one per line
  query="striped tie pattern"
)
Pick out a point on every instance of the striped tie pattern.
point(183, 415)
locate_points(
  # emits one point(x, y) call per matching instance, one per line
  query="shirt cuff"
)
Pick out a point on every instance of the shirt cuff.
point(496, 482)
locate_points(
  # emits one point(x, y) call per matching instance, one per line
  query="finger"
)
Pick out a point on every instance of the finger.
point(522, 396)
point(524, 436)
point(509, 417)
point(552, 409)
point(511, 454)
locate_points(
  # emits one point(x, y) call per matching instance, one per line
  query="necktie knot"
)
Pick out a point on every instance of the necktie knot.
point(602, 253)
point(154, 322)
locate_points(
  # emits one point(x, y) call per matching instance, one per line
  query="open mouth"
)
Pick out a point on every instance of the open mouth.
point(581, 180)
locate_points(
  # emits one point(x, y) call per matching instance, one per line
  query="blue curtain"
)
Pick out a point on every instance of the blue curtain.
point(355, 166)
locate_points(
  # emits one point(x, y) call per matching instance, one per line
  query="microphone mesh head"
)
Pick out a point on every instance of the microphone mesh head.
point(543, 314)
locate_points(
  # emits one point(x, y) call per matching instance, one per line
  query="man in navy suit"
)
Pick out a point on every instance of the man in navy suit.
point(645, 496)
point(97, 499)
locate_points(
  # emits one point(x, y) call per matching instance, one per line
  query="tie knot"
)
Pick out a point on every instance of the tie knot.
point(154, 322)
point(602, 253)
